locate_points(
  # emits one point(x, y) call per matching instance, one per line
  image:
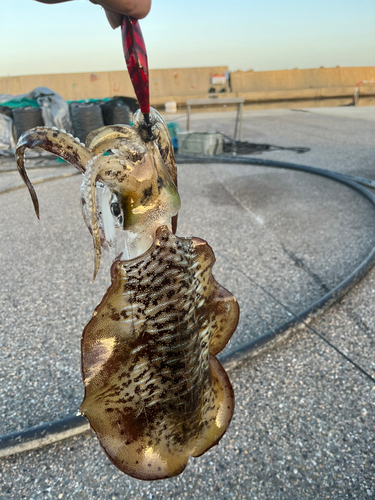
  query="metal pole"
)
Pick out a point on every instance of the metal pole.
point(241, 108)
point(188, 118)
point(236, 124)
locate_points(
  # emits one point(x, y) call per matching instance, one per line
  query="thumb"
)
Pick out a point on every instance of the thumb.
point(114, 18)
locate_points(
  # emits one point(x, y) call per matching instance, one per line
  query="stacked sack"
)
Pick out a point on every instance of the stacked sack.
point(89, 116)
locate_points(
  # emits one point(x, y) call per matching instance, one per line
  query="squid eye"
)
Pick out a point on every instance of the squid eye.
point(115, 209)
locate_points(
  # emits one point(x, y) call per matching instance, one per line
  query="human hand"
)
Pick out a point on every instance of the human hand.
point(114, 9)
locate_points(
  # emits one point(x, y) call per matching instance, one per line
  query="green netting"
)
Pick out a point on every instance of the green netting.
point(90, 100)
point(21, 103)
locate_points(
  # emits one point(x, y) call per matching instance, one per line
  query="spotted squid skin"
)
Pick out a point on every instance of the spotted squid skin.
point(154, 391)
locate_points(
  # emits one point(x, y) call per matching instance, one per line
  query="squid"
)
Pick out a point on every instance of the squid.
point(155, 393)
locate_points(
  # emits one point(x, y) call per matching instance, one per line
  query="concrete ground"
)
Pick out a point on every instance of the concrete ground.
point(304, 421)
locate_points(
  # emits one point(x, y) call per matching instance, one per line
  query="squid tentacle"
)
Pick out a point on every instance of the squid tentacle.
point(95, 172)
point(165, 146)
point(107, 133)
point(121, 146)
point(162, 139)
point(55, 141)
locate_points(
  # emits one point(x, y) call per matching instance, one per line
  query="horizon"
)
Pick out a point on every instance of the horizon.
point(75, 37)
point(188, 67)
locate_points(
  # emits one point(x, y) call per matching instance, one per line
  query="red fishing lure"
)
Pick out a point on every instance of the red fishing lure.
point(136, 61)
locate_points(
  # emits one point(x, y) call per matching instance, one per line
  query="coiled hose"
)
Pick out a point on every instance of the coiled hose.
point(58, 430)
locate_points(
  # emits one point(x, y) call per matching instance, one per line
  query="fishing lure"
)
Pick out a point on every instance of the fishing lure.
point(154, 391)
point(136, 61)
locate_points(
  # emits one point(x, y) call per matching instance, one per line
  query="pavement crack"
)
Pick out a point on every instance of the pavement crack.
point(357, 320)
point(39, 181)
point(301, 264)
point(351, 361)
point(292, 313)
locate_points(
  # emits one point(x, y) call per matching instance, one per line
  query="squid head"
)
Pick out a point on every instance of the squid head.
point(129, 182)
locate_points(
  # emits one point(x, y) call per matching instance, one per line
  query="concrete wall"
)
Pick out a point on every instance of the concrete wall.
point(260, 88)
point(72, 86)
point(295, 79)
point(76, 86)
point(183, 81)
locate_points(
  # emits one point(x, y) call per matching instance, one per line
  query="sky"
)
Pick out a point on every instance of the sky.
point(243, 34)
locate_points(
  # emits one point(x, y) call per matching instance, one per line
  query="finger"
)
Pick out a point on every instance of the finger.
point(114, 18)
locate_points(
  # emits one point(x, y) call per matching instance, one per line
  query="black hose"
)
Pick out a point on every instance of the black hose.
point(41, 435)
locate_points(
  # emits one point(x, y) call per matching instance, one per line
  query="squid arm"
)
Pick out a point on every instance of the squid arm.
point(57, 142)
